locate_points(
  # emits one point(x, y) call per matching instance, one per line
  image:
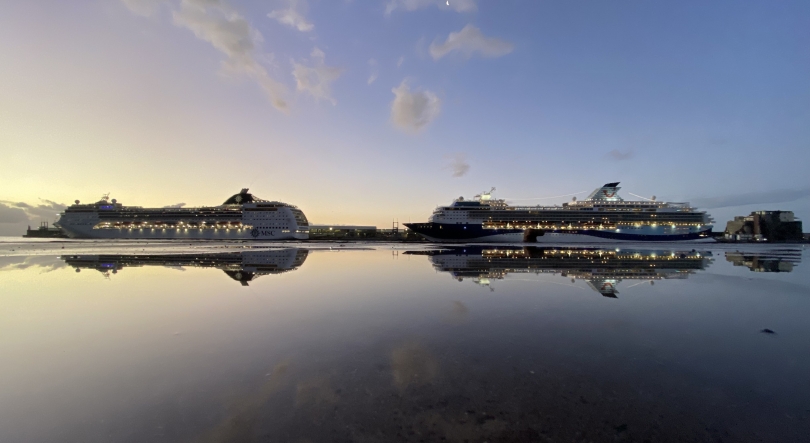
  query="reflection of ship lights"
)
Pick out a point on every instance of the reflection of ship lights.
point(601, 269)
point(241, 266)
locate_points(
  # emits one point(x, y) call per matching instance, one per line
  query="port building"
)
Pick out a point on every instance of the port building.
point(765, 226)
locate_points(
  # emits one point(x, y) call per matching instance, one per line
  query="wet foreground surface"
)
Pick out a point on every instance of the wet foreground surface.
point(215, 342)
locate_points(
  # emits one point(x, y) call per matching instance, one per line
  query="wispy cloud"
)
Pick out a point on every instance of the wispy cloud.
point(458, 165)
point(317, 79)
point(752, 198)
point(413, 5)
point(620, 155)
point(468, 41)
point(413, 110)
point(293, 15)
point(143, 7)
point(373, 76)
point(400, 61)
point(218, 23)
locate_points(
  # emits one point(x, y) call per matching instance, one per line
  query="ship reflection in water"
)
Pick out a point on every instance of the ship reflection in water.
point(243, 267)
point(602, 269)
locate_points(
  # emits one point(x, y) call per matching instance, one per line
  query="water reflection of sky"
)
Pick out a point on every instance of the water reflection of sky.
point(382, 345)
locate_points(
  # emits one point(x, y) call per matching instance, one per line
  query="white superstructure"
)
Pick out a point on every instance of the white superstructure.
point(241, 217)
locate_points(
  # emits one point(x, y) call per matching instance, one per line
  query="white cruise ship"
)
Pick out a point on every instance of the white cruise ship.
point(602, 217)
point(241, 217)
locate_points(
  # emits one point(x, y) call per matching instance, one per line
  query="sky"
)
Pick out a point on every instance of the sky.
point(368, 111)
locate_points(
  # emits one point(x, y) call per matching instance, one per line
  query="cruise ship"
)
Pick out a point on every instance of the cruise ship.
point(241, 217)
point(603, 217)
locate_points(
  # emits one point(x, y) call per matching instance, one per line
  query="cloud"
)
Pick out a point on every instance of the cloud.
point(413, 5)
point(373, 76)
point(317, 79)
point(217, 23)
point(21, 212)
point(176, 205)
point(619, 155)
point(293, 16)
point(15, 215)
point(400, 61)
point(11, 214)
point(45, 209)
point(752, 198)
point(143, 7)
point(468, 41)
point(459, 164)
point(412, 111)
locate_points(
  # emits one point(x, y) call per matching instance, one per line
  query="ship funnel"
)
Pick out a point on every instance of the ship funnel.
point(608, 192)
point(485, 196)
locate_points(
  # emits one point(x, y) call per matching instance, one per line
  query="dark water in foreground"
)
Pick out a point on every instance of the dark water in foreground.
point(231, 344)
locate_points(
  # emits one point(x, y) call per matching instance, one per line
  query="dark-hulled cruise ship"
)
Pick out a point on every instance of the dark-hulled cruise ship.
point(602, 217)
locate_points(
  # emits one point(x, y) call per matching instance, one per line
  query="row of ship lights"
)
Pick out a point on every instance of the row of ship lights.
point(238, 226)
point(569, 252)
point(181, 225)
point(490, 253)
point(571, 226)
point(501, 274)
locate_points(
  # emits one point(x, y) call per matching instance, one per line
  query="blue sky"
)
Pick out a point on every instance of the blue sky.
point(392, 107)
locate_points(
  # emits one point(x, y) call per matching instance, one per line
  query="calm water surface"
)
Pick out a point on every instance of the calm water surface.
point(213, 342)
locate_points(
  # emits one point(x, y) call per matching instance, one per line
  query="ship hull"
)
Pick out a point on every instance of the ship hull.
point(443, 232)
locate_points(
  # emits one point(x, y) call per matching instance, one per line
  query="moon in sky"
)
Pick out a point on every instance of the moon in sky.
point(448, 2)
